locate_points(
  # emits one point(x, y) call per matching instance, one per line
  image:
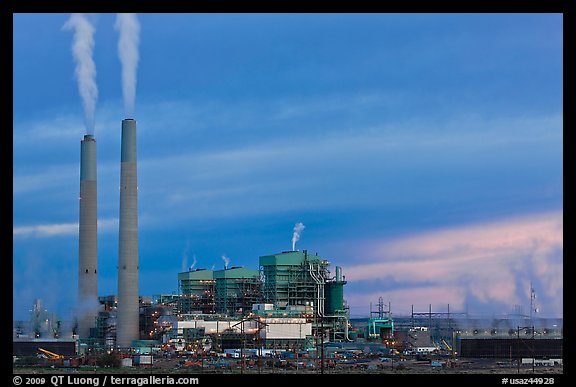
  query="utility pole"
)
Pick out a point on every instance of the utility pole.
point(243, 346)
point(533, 307)
point(259, 348)
point(322, 345)
point(242, 332)
point(316, 335)
point(531, 346)
point(533, 359)
point(518, 350)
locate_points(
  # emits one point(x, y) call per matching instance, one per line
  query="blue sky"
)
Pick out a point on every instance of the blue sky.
point(422, 152)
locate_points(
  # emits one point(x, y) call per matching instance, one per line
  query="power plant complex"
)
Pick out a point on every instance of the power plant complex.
point(291, 305)
point(284, 303)
point(289, 310)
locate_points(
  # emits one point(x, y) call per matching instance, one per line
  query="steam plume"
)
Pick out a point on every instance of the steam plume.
point(226, 261)
point(296, 236)
point(184, 265)
point(82, 49)
point(129, 28)
point(193, 262)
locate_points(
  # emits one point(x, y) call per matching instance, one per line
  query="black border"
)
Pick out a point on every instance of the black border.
point(566, 7)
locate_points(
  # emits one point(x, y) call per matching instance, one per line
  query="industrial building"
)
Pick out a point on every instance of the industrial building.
point(292, 299)
point(292, 302)
point(513, 338)
point(297, 279)
point(236, 290)
point(196, 290)
point(231, 291)
point(301, 282)
point(256, 332)
point(293, 279)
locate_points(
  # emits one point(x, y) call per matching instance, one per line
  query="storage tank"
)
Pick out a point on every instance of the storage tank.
point(334, 294)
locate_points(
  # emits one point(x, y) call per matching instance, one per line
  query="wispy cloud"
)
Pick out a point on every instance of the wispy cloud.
point(225, 172)
point(47, 178)
point(61, 229)
point(271, 173)
point(53, 128)
point(46, 230)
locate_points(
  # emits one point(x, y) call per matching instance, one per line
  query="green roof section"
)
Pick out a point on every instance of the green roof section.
point(236, 272)
point(198, 274)
point(288, 258)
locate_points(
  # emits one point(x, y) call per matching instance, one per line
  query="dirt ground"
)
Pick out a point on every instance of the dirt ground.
point(176, 366)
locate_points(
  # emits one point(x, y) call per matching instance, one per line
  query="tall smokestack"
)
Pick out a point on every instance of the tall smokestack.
point(88, 241)
point(127, 327)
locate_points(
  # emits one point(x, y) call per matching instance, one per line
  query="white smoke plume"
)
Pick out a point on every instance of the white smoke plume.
point(193, 263)
point(226, 261)
point(298, 228)
point(129, 28)
point(82, 49)
point(184, 264)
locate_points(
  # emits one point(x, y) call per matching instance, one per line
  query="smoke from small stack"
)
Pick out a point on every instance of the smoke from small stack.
point(185, 266)
point(298, 228)
point(82, 48)
point(226, 261)
point(129, 29)
point(193, 263)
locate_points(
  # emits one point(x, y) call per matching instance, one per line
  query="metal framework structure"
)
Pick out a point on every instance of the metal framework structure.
point(235, 296)
point(196, 295)
point(294, 279)
point(196, 290)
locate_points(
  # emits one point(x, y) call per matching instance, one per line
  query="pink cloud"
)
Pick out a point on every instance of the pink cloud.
point(485, 261)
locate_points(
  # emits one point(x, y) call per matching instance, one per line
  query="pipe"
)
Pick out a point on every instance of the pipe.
point(320, 307)
point(321, 286)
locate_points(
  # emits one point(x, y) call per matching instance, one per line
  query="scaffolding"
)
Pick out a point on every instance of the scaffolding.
point(197, 291)
point(236, 290)
point(105, 331)
point(235, 296)
point(294, 279)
